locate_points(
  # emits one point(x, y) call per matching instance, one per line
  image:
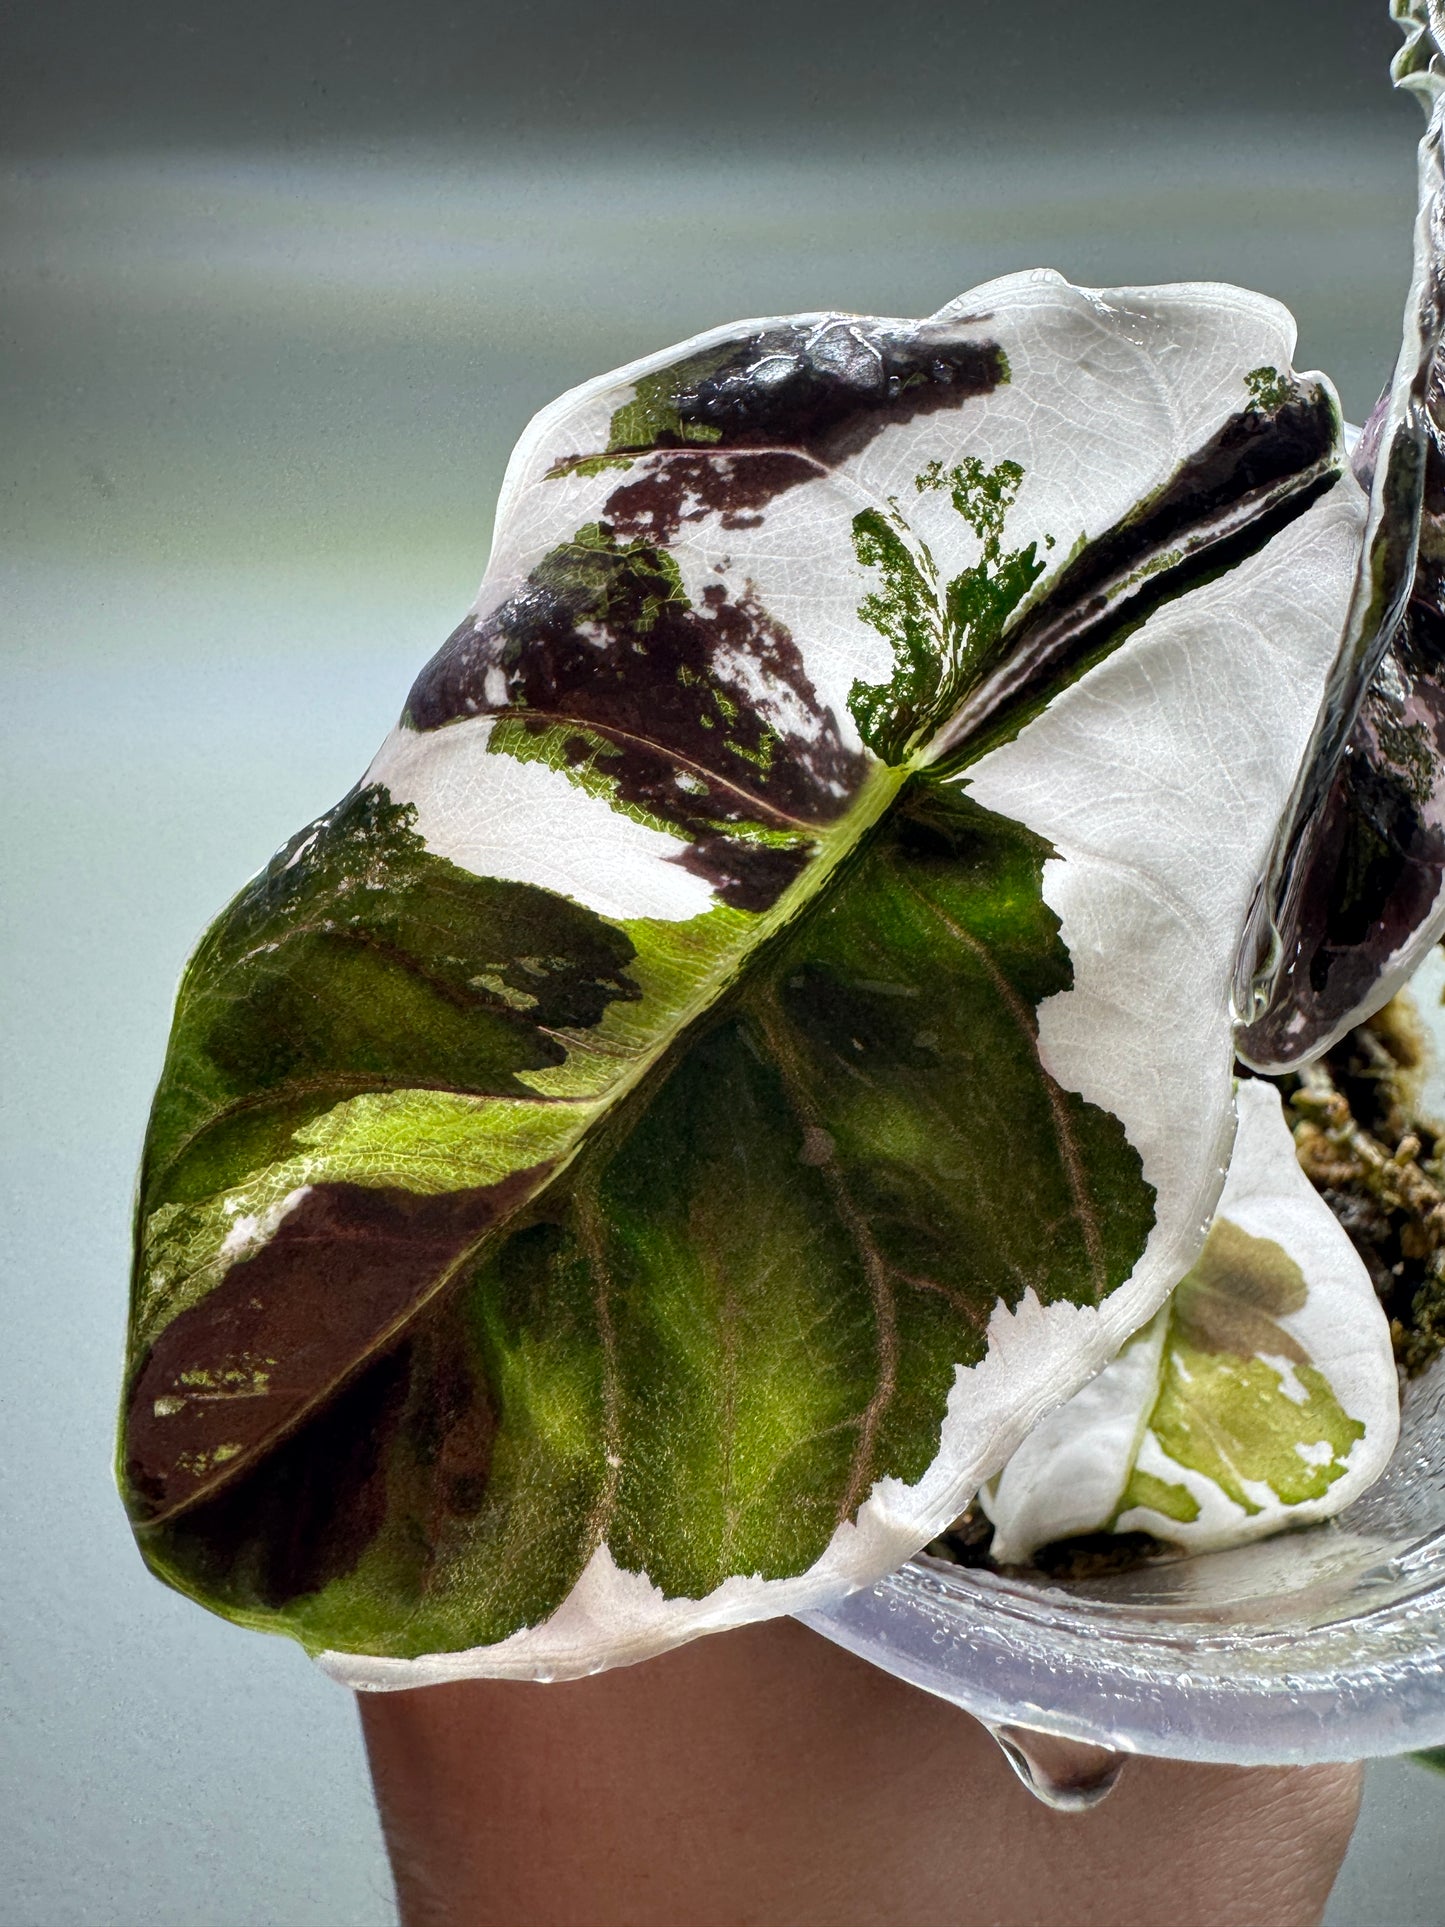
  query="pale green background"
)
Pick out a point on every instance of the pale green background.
point(258, 389)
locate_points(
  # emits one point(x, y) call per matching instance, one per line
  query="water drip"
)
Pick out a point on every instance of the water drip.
point(1065, 1774)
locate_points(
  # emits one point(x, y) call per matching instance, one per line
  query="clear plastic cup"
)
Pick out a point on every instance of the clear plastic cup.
point(1327, 1643)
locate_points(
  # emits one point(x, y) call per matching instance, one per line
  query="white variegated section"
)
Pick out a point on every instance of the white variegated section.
point(251, 1230)
point(526, 823)
point(1160, 798)
point(1070, 1474)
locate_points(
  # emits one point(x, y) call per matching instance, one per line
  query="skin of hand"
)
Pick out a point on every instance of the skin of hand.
point(765, 1778)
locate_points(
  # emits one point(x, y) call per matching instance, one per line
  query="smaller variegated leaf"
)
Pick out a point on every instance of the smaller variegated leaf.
point(1263, 1395)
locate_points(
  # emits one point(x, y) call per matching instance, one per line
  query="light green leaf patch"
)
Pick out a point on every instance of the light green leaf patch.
point(422, 1141)
point(1262, 1395)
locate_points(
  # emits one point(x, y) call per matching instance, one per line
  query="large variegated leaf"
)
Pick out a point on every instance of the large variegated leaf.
point(1263, 1395)
point(759, 1034)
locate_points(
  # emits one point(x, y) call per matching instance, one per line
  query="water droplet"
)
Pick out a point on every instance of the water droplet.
point(1065, 1774)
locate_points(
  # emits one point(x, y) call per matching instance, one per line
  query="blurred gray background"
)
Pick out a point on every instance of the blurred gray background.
point(281, 286)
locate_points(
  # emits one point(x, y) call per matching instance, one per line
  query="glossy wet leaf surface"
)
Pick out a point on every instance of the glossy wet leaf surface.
point(645, 1155)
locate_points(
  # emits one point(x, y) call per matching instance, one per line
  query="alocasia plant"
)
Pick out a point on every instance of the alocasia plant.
point(760, 1033)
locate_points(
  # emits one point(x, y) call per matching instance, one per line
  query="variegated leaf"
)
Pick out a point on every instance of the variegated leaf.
point(1263, 1395)
point(759, 1034)
point(1354, 894)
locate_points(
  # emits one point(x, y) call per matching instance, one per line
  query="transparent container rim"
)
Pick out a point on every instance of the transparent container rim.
point(1360, 1686)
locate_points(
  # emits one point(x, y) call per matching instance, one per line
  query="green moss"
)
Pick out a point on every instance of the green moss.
point(1363, 1146)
